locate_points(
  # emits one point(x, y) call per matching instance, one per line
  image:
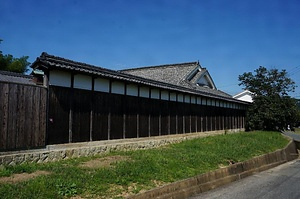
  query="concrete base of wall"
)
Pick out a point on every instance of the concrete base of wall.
point(65, 151)
point(214, 179)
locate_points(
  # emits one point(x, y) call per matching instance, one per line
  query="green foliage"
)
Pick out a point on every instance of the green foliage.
point(298, 103)
point(10, 63)
point(65, 189)
point(272, 113)
point(143, 169)
point(272, 108)
point(267, 82)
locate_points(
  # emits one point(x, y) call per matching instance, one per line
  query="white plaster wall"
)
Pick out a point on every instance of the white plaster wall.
point(101, 84)
point(173, 97)
point(144, 92)
point(187, 98)
point(155, 93)
point(246, 98)
point(198, 100)
point(60, 78)
point(83, 82)
point(204, 80)
point(226, 105)
point(221, 104)
point(165, 95)
point(193, 99)
point(118, 88)
point(213, 102)
point(208, 102)
point(180, 97)
point(204, 101)
point(132, 90)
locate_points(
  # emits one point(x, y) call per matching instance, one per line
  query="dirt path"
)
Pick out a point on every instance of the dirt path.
point(20, 177)
point(103, 162)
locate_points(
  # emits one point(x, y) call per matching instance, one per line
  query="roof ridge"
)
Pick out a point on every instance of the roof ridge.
point(15, 74)
point(75, 63)
point(54, 61)
point(158, 66)
point(46, 55)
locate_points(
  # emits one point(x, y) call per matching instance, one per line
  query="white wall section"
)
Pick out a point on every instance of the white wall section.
point(155, 93)
point(118, 87)
point(132, 90)
point(144, 92)
point(173, 97)
point(180, 97)
point(101, 84)
point(193, 99)
point(198, 100)
point(83, 82)
point(187, 98)
point(208, 102)
point(165, 95)
point(60, 78)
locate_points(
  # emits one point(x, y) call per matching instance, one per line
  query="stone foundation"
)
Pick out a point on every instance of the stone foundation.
point(73, 150)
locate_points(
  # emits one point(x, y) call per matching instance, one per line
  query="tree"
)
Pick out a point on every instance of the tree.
point(272, 108)
point(10, 63)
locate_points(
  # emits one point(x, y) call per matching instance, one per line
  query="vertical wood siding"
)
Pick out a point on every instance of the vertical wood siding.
point(22, 116)
point(113, 116)
point(59, 109)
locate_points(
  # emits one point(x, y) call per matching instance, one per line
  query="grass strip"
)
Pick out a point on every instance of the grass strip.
point(138, 170)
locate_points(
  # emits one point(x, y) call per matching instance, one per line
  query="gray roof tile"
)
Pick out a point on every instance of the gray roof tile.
point(6, 76)
point(176, 74)
point(46, 61)
point(172, 74)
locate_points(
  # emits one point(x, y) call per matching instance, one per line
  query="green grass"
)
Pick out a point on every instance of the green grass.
point(143, 169)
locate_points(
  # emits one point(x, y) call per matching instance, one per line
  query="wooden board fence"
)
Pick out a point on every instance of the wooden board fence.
point(22, 116)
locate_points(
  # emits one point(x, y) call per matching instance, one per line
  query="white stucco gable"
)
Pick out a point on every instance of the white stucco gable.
point(246, 96)
point(206, 81)
point(201, 77)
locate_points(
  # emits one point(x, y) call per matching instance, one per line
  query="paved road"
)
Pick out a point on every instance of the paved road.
point(280, 182)
point(292, 135)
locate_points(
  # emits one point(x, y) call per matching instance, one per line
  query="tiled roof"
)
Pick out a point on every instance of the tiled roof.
point(176, 74)
point(46, 61)
point(172, 73)
point(6, 76)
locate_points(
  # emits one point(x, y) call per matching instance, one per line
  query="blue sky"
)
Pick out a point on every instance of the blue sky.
point(227, 37)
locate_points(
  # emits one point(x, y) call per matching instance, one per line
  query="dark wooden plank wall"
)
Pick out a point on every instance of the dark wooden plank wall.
point(102, 116)
point(59, 110)
point(22, 116)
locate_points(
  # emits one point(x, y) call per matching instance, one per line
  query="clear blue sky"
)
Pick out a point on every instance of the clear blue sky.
point(227, 37)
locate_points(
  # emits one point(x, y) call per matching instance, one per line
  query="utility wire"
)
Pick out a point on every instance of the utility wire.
point(294, 70)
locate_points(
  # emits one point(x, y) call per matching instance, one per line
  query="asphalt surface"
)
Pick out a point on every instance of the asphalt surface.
point(292, 135)
point(280, 182)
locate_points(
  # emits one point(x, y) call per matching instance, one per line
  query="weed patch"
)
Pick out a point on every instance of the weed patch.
point(120, 174)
